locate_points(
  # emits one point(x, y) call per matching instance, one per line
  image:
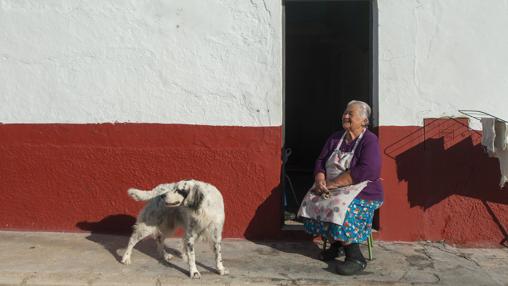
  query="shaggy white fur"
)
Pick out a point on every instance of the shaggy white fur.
point(196, 206)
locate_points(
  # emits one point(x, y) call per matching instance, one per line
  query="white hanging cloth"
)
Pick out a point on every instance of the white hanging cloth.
point(495, 140)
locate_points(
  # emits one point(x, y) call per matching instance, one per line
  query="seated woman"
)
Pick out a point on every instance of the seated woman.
point(347, 189)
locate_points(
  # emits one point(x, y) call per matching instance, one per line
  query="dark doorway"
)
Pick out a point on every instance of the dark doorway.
point(328, 62)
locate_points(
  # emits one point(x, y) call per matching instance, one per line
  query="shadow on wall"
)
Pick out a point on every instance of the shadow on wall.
point(266, 223)
point(112, 224)
point(445, 158)
point(265, 229)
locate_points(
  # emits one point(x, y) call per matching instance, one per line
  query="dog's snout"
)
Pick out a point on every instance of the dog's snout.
point(173, 204)
point(163, 196)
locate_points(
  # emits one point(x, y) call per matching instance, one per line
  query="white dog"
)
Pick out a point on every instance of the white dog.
point(196, 206)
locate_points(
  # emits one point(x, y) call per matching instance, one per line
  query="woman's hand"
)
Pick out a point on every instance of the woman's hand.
point(320, 187)
point(320, 184)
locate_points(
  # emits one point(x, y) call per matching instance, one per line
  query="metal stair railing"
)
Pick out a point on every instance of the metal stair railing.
point(478, 114)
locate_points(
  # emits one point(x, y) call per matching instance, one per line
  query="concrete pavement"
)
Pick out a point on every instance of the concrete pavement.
point(30, 258)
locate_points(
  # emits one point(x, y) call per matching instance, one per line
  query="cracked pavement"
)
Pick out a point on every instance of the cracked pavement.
point(37, 258)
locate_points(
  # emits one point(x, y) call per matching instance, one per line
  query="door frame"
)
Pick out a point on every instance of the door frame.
point(373, 79)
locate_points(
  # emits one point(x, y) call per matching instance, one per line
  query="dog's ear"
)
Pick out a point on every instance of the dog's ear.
point(182, 189)
point(183, 192)
point(194, 198)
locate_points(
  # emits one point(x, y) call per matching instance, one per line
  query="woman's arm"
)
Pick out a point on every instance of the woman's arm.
point(342, 180)
point(368, 165)
point(319, 166)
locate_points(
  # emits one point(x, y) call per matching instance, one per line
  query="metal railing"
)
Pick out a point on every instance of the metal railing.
point(478, 114)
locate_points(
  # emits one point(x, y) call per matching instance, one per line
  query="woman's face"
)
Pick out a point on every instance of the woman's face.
point(352, 118)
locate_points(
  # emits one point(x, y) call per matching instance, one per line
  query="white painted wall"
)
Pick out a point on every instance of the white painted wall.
point(212, 62)
point(219, 62)
point(438, 56)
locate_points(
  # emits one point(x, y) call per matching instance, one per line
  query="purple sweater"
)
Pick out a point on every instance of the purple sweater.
point(365, 165)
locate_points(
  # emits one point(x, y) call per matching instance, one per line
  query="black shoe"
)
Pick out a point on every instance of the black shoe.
point(350, 266)
point(333, 252)
point(354, 262)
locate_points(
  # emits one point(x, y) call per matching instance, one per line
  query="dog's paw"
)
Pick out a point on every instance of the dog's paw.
point(168, 257)
point(223, 271)
point(195, 275)
point(126, 260)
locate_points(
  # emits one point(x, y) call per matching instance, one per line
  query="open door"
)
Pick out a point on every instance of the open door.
point(329, 52)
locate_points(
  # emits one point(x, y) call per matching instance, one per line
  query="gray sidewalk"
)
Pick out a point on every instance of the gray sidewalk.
point(28, 258)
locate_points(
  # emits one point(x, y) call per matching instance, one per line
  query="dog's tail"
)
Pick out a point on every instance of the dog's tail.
point(142, 195)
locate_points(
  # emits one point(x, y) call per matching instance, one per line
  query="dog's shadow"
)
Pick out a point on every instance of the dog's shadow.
point(112, 233)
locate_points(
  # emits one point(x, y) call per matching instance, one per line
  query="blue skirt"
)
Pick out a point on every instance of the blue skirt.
point(357, 224)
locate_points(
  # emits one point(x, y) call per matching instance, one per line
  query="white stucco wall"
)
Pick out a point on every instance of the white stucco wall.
point(210, 62)
point(219, 62)
point(439, 56)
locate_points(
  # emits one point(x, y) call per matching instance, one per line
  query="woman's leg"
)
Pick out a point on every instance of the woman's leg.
point(354, 263)
point(357, 228)
point(335, 250)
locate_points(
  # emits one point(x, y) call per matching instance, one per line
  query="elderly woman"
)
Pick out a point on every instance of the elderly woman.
point(347, 189)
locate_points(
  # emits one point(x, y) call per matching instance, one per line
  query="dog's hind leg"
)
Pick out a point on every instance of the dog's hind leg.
point(160, 237)
point(140, 231)
point(188, 244)
point(216, 240)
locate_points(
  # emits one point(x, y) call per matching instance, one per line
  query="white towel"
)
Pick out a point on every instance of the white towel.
point(503, 166)
point(495, 139)
point(489, 134)
point(500, 139)
point(501, 151)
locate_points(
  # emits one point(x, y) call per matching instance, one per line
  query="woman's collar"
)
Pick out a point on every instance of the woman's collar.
point(352, 135)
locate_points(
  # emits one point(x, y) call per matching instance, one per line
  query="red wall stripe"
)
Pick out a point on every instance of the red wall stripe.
point(439, 184)
point(72, 177)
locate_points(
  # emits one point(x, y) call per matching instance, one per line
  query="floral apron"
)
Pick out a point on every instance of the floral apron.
point(333, 208)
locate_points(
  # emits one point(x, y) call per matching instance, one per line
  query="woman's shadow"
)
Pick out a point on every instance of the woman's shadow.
point(273, 235)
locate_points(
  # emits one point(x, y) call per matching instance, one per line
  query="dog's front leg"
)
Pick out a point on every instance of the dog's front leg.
point(140, 231)
point(218, 258)
point(190, 239)
point(216, 244)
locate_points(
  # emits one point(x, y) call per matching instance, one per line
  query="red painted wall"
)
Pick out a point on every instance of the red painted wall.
point(68, 177)
point(441, 185)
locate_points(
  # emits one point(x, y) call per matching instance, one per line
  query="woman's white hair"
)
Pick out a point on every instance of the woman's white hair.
point(364, 108)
